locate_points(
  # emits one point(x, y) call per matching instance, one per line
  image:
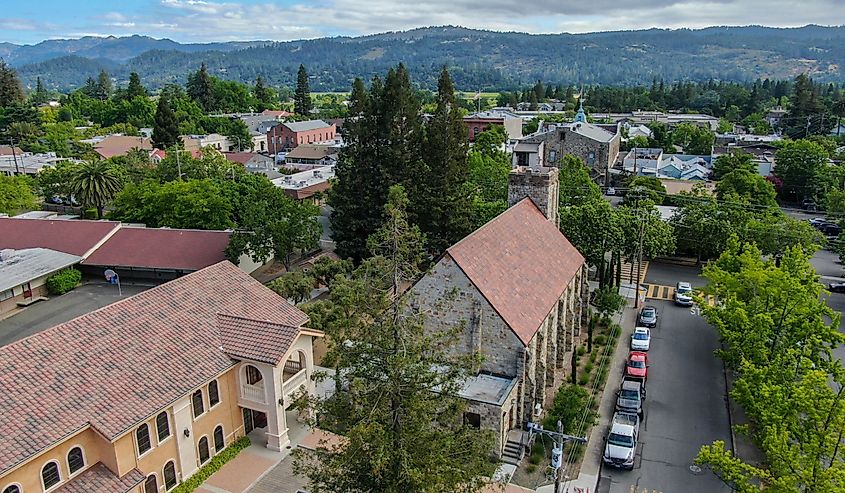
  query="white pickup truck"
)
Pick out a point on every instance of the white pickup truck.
point(621, 443)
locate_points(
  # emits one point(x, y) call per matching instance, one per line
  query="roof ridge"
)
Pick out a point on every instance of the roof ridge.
point(250, 319)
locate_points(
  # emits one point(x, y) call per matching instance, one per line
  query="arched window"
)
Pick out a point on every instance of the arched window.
point(12, 489)
point(253, 375)
point(219, 444)
point(142, 436)
point(162, 426)
point(151, 484)
point(169, 475)
point(203, 450)
point(75, 460)
point(196, 402)
point(213, 394)
point(50, 475)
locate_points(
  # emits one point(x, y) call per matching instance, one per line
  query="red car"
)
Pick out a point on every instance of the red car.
point(637, 365)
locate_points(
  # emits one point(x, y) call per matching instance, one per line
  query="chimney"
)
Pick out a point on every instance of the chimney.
point(540, 184)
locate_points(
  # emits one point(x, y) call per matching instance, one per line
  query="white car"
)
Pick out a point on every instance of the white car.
point(683, 294)
point(641, 339)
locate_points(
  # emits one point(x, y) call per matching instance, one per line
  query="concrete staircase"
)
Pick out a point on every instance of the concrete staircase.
point(512, 453)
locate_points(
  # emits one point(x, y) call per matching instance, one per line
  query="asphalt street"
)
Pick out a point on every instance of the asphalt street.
point(685, 405)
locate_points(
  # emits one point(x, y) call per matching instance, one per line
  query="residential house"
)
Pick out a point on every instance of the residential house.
point(251, 161)
point(7, 150)
point(138, 395)
point(775, 115)
point(119, 145)
point(27, 163)
point(309, 156)
point(307, 185)
point(479, 122)
point(516, 288)
point(653, 162)
point(286, 136)
point(215, 141)
point(24, 273)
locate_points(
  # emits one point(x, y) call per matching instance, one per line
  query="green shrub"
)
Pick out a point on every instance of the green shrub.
point(531, 468)
point(216, 463)
point(568, 407)
point(581, 350)
point(593, 356)
point(588, 367)
point(63, 281)
point(599, 340)
point(584, 379)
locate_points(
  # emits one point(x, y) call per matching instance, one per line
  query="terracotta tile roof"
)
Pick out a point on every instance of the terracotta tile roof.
point(119, 145)
point(521, 263)
point(99, 479)
point(258, 340)
point(75, 237)
point(181, 249)
point(121, 364)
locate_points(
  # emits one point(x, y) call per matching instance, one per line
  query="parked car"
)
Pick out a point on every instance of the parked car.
point(683, 294)
point(648, 317)
point(630, 397)
point(641, 339)
point(637, 365)
point(830, 229)
point(836, 287)
point(818, 222)
point(610, 191)
point(621, 444)
point(809, 205)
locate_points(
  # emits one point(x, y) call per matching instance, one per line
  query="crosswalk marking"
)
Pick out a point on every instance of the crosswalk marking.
point(634, 489)
point(661, 292)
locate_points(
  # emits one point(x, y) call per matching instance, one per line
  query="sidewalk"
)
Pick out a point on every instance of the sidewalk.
point(588, 477)
point(239, 474)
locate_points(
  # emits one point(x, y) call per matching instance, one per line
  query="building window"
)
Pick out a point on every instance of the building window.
point(213, 394)
point(219, 441)
point(552, 156)
point(196, 402)
point(50, 475)
point(162, 426)
point(12, 489)
point(169, 475)
point(151, 484)
point(522, 159)
point(203, 450)
point(253, 375)
point(473, 420)
point(5, 295)
point(75, 460)
point(142, 435)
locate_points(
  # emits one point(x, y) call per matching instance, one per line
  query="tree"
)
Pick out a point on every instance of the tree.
point(295, 286)
point(805, 113)
point(736, 160)
point(390, 368)
point(749, 186)
point(40, 96)
point(95, 184)
point(694, 139)
point(576, 186)
point(16, 194)
point(491, 140)
point(263, 94)
point(103, 90)
point(11, 90)
point(594, 229)
point(645, 188)
point(189, 204)
point(135, 89)
point(166, 128)
point(302, 103)
point(442, 194)
point(54, 181)
point(271, 224)
point(200, 88)
point(802, 165)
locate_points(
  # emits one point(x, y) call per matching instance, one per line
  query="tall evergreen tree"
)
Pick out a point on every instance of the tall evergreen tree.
point(262, 94)
point(200, 88)
point(806, 114)
point(103, 91)
point(302, 104)
point(443, 199)
point(166, 129)
point(135, 89)
point(40, 95)
point(11, 90)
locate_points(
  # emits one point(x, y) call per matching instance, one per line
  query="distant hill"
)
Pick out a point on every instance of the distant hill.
point(486, 60)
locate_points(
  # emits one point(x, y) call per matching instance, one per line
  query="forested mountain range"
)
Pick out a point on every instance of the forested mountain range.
point(485, 60)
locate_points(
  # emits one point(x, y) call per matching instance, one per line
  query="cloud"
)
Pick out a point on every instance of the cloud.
point(224, 20)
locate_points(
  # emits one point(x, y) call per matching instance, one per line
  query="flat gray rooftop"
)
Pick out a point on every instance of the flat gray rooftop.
point(487, 388)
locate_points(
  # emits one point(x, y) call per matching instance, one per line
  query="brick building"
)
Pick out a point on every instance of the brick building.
point(286, 136)
point(519, 289)
point(137, 396)
point(479, 122)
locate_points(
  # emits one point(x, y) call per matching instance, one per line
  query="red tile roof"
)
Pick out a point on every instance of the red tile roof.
point(181, 249)
point(117, 366)
point(521, 263)
point(99, 479)
point(75, 237)
point(258, 340)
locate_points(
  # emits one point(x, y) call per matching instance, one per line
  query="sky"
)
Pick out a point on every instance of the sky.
point(28, 22)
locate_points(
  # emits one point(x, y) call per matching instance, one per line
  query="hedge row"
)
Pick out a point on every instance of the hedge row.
point(212, 467)
point(63, 281)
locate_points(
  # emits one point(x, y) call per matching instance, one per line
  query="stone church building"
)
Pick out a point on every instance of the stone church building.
point(519, 288)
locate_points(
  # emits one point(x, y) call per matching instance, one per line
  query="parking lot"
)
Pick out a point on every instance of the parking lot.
point(685, 405)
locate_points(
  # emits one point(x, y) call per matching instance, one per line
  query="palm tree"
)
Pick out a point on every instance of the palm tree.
point(95, 183)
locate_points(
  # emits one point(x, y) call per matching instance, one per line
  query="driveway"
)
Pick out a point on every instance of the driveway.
point(59, 309)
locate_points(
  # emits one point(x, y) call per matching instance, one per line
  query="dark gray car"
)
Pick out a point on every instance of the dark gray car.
point(630, 397)
point(648, 317)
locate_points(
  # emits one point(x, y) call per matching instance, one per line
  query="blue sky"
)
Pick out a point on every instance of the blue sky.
point(224, 20)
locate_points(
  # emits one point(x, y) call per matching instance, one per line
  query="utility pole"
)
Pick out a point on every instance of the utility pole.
point(557, 452)
point(14, 156)
point(641, 215)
